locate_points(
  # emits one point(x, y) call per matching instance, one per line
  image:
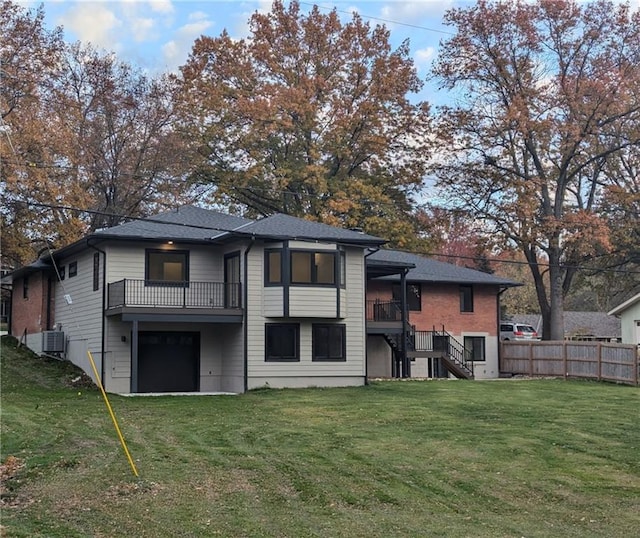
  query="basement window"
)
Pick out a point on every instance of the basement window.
point(282, 342)
point(474, 348)
point(329, 342)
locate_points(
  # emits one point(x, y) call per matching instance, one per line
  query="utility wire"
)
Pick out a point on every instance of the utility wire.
point(236, 230)
point(380, 19)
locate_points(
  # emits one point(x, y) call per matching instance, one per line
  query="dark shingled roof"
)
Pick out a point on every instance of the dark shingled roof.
point(430, 270)
point(186, 222)
point(595, 324)
point(197, 224)
point(281, 226)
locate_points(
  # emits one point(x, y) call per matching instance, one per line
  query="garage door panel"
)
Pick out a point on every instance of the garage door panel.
point(168, 362)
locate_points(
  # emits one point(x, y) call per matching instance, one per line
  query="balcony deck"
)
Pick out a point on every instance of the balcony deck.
point(383, 317)
point(146, 300)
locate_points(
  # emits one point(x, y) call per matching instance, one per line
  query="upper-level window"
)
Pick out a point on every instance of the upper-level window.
point(309, 267)
point(466, 298)
point(414, 296)
point(96, 271)
point(25, 287)
point(273, 266)
point(305, 267)
point(61, 272)
point(73, 269)
point(167, 266)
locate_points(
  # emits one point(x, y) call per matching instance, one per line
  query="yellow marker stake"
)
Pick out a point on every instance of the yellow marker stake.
point(113, 417)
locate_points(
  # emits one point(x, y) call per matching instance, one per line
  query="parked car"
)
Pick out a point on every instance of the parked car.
point(517, 331)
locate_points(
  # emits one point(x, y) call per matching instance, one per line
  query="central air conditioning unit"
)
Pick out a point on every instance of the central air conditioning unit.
point(52, 341)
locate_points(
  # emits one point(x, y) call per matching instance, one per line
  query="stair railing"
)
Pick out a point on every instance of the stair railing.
point(456, 351)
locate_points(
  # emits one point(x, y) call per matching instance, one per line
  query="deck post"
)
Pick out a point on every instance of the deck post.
point(134, 356)
point(403, 344)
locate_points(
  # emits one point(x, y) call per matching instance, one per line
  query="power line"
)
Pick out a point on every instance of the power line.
point(540, 264)
point(380, 19)
point(235, 230)
point(121, 216)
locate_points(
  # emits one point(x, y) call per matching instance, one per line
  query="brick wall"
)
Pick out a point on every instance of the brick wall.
point(441, 306)
point(379, 289)
point(30, 313)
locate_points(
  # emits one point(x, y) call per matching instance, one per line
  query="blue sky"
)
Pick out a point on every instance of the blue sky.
point(157, 35)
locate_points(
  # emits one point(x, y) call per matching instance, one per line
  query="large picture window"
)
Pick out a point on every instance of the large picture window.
point(309, 267)
point(282, 342)
point(167, 267)
point(466, 298)
point(414, 296)
point(474, 348)
point(329, 342)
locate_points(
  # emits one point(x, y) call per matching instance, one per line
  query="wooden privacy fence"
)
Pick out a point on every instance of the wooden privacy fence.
point(593, 360)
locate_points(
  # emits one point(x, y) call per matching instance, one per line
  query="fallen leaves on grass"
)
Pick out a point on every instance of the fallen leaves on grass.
point(9, 470)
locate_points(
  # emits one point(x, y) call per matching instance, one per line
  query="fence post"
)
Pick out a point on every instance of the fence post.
point(530, 359)
point(564, 359)
point(599, 361)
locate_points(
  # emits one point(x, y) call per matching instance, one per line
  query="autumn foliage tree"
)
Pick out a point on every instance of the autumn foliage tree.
point(113, 131)
point(29, 54)
point(309, 116)
point(80, 130)
point(548, 98)
point(455, 238)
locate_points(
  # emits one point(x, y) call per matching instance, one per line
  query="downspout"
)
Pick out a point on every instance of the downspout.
point(405, 321)
point(245, 297)
point(366, 336)
point(498, 316)
point(49, 292)
point(104, 307)
point(9, 309)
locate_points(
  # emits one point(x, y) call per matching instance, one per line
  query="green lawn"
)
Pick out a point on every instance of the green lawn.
point(527, 459)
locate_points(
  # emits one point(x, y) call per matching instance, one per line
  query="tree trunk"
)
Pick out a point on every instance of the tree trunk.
point(555, 324)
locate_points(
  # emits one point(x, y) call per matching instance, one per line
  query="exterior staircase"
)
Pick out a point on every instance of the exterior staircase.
point(440, 344)
point(435, 344)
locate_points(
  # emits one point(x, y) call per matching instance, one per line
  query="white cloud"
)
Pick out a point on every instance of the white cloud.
point(198, 16)
point(161, 6)
point(412, 12)
point(176, 51)
point(240, 29)
point(142, 29)
point(92, 23)
point(424, 57)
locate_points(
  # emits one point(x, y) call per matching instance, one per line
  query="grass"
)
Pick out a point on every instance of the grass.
point(517, 459)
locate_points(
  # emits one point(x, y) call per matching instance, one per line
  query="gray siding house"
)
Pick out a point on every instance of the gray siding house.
point(629, 313)
point(195, 300)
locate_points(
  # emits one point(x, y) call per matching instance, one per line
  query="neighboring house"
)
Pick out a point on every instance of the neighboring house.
point(629, 314)
point(194, 300)
point(591, 326)
point(452, 314)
